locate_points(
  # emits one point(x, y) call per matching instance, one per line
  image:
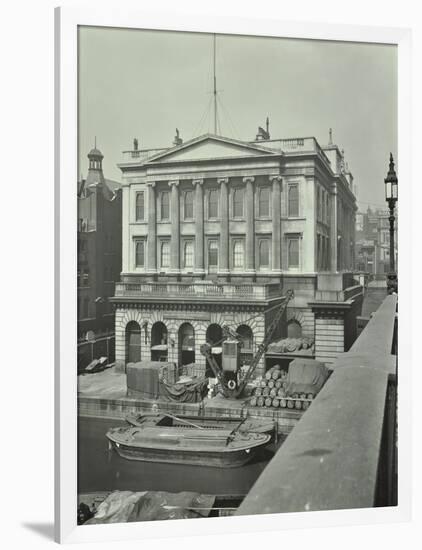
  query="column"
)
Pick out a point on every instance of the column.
point(333, 229)
point(152, 229)
point(250, 225)
point(175, 227)
point(199, 226)
point(224, 226)
point(276, 222)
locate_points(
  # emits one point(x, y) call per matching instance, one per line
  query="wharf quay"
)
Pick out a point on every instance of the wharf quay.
point(104, 395)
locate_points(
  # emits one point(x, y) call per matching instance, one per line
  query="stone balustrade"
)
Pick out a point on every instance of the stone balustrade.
point(200, 290)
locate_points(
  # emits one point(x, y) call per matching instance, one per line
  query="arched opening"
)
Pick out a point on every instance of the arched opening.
point(133, 342)
point(214, 337)
point(294, 329)
point(186, 344)
point(246, 337)
point(159, 348)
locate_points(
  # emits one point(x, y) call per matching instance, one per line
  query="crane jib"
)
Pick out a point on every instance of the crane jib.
point(228, 377)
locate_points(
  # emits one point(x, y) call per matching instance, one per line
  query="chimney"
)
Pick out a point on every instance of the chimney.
point(268, 127)
point(135, 144)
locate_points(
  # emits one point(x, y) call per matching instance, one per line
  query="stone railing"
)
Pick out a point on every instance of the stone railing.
point(199, 290)
point(140, 155)
point(342, 453)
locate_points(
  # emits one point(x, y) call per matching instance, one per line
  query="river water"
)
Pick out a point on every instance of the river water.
point(102, 470)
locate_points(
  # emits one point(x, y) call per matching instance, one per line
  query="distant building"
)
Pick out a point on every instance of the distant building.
point(373, 242)
point(99, 247)
point(215, 230)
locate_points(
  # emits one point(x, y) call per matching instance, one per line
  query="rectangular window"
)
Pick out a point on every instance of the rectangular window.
point(165, 254)
point(238, 255)
point(213, 254)
point(188, 205)
point(293, 201)
point(264, 202)
point(140, 253)
point(238, 203)
point(213, 203)
point(264, 253)
point(165, 210)
point(140, 206)
point(293, 252)
point(86, 278)
point(188, 254)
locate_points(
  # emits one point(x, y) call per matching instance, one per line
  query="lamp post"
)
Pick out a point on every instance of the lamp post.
point(391, 198)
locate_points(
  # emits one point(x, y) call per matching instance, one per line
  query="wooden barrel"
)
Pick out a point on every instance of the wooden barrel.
point(305, 405)
point(283, 403)
point(268, 375)
point(258, 392)
point(283, 375)
point(268, 402)
point(260, 402)
point(281, 392)
point(303, 395)
point(284, 385)
point(253, 402)
point(290, 404)
point(310, 396)
point(276, 374)
point(277, 367)
point(298, 404)
point(263, 383)
point(273, 393)
point(278, 383)
point(295, 395)
point(276, 403)
point(271, 383)
point(266, 392)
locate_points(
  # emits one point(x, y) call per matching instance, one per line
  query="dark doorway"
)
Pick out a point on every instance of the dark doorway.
point(186, 344)
point(214, 337)
point(159, 348)
point(133, 342)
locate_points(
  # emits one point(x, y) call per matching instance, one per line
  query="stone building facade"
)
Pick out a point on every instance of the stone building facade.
point(99, 247)
point(215, 231)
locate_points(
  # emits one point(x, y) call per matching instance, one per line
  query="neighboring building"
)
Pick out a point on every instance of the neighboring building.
point(215, 230)
point(373, 242)
point(99, 247)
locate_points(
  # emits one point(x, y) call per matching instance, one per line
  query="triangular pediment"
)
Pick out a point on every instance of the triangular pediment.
point(207, 148)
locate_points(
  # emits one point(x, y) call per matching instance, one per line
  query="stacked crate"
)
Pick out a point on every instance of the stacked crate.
point(271, 391)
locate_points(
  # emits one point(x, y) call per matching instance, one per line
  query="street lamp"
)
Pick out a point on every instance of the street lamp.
point(391, 198)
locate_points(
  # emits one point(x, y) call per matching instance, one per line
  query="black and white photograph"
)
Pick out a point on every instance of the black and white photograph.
point(237, 259)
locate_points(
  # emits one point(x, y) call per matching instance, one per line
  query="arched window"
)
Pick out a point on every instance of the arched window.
point(165, 254)
point(294, 330)
point(213, 203)
point(165, 206)
point(140, 207)
point(213, 254)
point(246, 337)
point(238, 255)
point(238, 203)
point(264, 202)
point(264, 253)
point(158, 334)
point(186, 344)
point(188, 254)
point(188, 206)
point(293, 200)
point(140, 254)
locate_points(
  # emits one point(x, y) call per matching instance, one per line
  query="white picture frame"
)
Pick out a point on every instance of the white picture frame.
point(67, 21)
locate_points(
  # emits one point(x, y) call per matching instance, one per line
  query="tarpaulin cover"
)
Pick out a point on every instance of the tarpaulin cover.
point(185, 392)
point(306, 376)
point(126, 506)
point(144, 377)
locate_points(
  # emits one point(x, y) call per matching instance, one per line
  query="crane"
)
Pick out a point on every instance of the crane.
point(228, 375)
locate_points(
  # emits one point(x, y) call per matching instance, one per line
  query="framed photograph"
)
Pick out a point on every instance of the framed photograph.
point(227, 275)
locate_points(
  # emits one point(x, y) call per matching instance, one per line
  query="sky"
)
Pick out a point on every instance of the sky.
point(145, 84)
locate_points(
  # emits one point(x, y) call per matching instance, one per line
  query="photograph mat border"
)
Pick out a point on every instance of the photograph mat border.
point(67, 21)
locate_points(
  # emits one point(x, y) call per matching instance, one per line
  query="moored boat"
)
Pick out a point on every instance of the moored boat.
point(193, 446)
point(247, 424)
